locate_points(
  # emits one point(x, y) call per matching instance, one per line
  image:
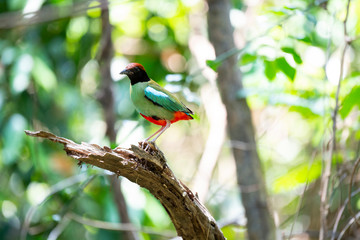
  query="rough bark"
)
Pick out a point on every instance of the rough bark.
point(260, 224)
point(149, 170)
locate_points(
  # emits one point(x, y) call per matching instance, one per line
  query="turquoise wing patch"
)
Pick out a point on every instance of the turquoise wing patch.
point(162, 99)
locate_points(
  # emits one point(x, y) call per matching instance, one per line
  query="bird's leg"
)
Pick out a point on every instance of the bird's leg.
point(147, 139)
point(162, 127)
point(162, 130)
point(156, 134)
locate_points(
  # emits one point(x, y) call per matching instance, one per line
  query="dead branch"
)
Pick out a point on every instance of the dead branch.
point(149, 170)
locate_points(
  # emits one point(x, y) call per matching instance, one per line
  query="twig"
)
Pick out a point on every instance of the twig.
point(327, 172)
point(63, 221)
point(341, 211)
point(55, 233)
point(54, 189)
point(149, 170)
point(118, 226)
point(351, 221)
point(351, 183)
point(303, 194)
point(49, 13)
point(336, 109)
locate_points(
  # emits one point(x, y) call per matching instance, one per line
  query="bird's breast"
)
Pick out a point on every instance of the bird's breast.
point(147, 107)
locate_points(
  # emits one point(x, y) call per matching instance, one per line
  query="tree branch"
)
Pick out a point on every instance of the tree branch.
point(325, 178)
point(149, 170)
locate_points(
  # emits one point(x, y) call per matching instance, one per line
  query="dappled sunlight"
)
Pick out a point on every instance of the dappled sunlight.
point(8, 209)
point(37, 192)
point(173, 61)
point(299, 71)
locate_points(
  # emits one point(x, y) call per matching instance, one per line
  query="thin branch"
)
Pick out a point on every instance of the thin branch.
point(351, 183)
point(327, 172)
point(55, 232)
point(303, 194)
point(48, 13)
point(346, 18)
point(336, 109)
point(60, 227)
point(54, 189)
point(149, 170)
point(340, 213)
point(118, 226)
point(350, 222)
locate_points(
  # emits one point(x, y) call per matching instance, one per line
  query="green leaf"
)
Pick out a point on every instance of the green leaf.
point(43, 74)
point(307, 112)
point(13, 138)
point(232, 232)
point(247, 58)
point(297, 176)
point(292, 101)
point(290, 8)
point(305, 39)
point(284, 66)
point(354, 74)
point(281, 11)
point(351, 100)
point(270, 69)
point(213, 64)
point(295, 55)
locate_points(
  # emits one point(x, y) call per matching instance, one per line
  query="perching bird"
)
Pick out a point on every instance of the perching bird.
point(153, 102)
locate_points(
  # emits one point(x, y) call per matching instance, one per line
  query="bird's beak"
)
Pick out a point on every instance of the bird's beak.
point(125, 72)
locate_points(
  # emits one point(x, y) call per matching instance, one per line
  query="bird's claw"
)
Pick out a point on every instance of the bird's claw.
point(144, 145)
point(147, 145)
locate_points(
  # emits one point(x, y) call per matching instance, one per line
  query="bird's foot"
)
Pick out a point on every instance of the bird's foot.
point(118, 148)
point(147, 145)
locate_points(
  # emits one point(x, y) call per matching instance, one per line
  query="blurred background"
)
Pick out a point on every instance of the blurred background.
point(59, 71)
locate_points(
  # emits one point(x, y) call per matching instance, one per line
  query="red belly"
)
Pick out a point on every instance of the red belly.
point(177, 116)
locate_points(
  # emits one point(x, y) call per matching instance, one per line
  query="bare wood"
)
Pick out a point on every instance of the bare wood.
point(149, 170)
point(260, 224)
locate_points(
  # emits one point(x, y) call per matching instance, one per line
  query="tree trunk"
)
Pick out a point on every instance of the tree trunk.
point(260, 224)
point(106, 99)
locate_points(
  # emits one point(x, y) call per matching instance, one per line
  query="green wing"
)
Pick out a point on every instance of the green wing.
point(159, 96)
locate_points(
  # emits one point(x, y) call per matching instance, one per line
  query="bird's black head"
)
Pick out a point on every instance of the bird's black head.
point(136, 72)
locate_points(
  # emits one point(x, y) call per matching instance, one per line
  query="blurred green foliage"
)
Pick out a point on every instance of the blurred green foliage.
point(49, 77)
